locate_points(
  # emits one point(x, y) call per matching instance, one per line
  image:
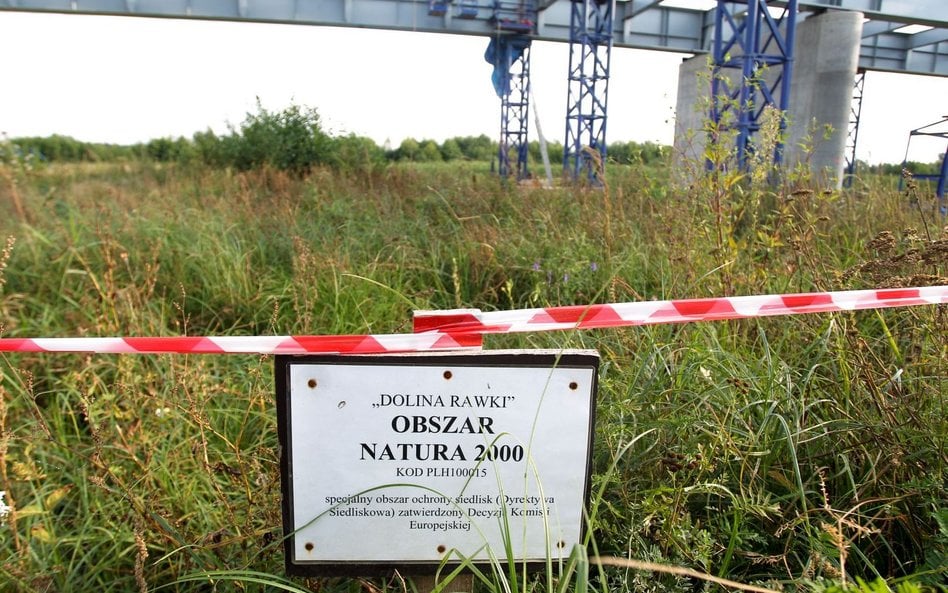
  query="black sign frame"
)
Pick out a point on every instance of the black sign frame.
point(585, 359)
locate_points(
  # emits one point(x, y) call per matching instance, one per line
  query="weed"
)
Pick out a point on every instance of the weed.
point(775, 452)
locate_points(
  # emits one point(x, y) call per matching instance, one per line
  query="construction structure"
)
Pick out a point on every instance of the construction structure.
point(756, 46)
point(938, 129)
point(590, 49)
point(798, 56)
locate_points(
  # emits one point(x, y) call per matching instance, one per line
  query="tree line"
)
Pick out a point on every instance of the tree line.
point(294, 140)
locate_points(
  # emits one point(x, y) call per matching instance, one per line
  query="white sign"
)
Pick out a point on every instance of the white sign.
point(402, 460)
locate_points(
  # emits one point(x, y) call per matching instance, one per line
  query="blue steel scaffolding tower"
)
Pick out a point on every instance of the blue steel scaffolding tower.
point(751, 40)
point(590, 49)
point(509, 52)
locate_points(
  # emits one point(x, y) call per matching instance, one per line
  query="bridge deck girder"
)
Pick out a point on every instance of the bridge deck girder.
point(640, 24)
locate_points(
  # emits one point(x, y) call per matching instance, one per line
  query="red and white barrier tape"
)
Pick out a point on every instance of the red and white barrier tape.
point(676, 311)
point(351, 344)
point(463, 329)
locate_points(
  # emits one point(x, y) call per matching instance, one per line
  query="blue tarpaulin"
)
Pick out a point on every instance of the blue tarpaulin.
point(502, 52)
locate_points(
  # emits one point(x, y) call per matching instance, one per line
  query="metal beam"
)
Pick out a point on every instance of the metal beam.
point(929, 37)
point(640, 7)
point(934, 35)
point(918, 12)
point(657, 26)
point(894, 52)
point(873, 28)
point(640, 24)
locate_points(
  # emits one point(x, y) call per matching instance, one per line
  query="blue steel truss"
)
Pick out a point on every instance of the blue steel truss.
point(510, 55)
point(940, 131)
point(752, 57)
point(590, 49)
point(852, 134)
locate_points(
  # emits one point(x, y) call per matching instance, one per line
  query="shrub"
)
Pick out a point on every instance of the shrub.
point(166, 150)
point(356, 152)
point(633, 152)
point(408, 150)
point(428, 151)
point(477, 148)
point(291, 140)
point(554, 150)
point(451, 150)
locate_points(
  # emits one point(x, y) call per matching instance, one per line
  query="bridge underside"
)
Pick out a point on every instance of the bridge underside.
point(667, 25)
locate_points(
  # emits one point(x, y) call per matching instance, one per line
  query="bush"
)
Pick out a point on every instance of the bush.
point(451, 150)
point(554, 150)
point(633, 152)
point(291, 140)
point(209, 148)
point(428, 151)
point(477, 148)
point(166, 150)
point(407, 151)
point(356, 152)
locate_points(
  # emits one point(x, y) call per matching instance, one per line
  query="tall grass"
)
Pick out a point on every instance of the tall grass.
point(789, 452)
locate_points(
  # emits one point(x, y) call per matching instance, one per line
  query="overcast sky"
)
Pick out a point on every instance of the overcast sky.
point(127, 80)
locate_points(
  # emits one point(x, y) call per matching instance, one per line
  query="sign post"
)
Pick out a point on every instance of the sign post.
point(413, 462)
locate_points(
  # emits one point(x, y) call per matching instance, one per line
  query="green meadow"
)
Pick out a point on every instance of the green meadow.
point(800, 453)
